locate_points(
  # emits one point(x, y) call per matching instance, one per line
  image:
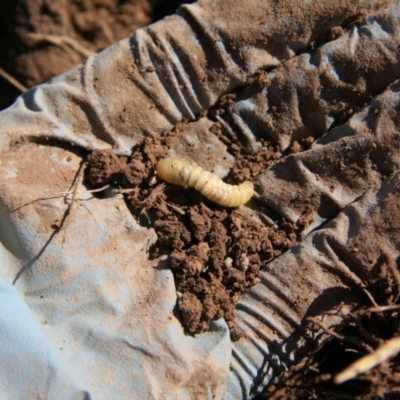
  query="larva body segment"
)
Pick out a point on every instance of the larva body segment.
point(183, 172)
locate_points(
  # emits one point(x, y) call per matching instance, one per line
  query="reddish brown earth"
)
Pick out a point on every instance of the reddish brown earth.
point(32, 35)
point(215, 253)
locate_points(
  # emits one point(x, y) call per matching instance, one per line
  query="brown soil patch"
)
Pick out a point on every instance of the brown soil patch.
point(215, 253)
point(41, 39)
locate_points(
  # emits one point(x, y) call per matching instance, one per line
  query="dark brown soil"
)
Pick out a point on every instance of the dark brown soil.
point(32, 35)
point(215, 253)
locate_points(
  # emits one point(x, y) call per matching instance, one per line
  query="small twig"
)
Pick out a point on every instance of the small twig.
point(328, 331)
point(266, 220)
point(85, 191)
point(369, 295)
point(177, 209)
point(391, 263)
point(107, 32)
point(12, 80)
point(149, 201)
point(34, 201)
point(61, 41)
point(348, 339)
point(364, 364)
point(129, 190)
point(71, 205)
point(394, 307)
point(59, 194)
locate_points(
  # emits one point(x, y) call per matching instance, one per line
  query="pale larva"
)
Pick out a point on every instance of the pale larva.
point(180, 171)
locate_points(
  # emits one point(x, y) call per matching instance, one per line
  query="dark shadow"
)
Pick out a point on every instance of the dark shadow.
point(164, 8)
point(61, 144)
point(87, 396)
point(30, 263)
point(298, 345)
point(29, 100)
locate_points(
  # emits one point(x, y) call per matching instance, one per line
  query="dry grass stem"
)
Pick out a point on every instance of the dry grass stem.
point(364, 364)
point(12, 80)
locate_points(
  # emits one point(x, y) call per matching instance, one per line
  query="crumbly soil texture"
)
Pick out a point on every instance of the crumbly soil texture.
point(40, 39)
point(215, 253)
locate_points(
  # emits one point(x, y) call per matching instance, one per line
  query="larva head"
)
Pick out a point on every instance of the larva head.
point(169, 169)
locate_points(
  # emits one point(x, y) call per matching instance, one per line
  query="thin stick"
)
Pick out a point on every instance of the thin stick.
point(60, 41)
point(12, 80)
point(391, 263)
point(83, 191)
point(328, 331)
point(71, 205)
point(364, 364)
point(177, 209)
point(129, 190)
point(107, 32)
point(59, 194)
point(393, 307)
